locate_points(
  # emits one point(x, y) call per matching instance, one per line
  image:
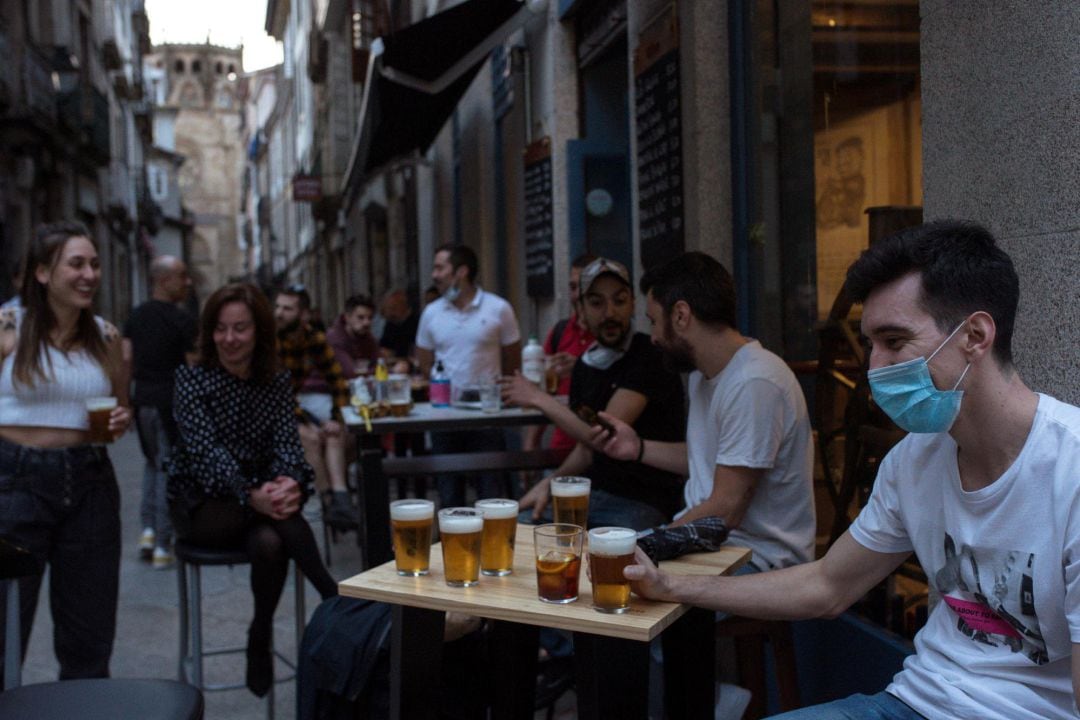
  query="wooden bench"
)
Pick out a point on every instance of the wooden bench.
point(467, 463)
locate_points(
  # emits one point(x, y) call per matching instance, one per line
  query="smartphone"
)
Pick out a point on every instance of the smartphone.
point(589, 415)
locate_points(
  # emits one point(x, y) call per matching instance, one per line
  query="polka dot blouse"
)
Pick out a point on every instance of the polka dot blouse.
point(235, 434)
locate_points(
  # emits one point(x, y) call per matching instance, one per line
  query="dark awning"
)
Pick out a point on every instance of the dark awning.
point(417, 76)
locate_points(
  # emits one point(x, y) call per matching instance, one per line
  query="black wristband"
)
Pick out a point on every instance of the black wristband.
point(640, 449)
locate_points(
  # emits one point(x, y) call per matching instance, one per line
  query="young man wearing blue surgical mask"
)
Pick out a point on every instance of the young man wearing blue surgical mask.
point(985, 491)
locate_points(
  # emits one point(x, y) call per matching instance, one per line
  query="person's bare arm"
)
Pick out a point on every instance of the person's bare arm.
point(511, 358)
point(120, 378)
point(733, 490)
point(425, 359)
point(821, 589)
point(625, 444)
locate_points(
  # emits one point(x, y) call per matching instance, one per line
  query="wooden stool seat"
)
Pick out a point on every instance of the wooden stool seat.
point(750, 637)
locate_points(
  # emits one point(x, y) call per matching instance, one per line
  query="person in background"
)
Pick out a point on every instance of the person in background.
point(321, 393)
point(158, 338)
point(983, 489)
point(621, 372)
point(565, 343)
point(58, 493)
point(351, 338)
point(15, 300)
point(399, 333)
point(475, 334)
point(431, 294)
point(237, 477)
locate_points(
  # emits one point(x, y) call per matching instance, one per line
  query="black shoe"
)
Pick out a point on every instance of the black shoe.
point(340, 513)
point(554, 677)
point(260, 665)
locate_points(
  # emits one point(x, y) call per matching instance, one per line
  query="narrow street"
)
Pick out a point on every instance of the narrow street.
point(147, 634)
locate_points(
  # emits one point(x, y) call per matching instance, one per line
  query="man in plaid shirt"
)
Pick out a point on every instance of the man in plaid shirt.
point(321, 393)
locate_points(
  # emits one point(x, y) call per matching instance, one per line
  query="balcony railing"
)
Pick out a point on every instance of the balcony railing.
point(39, 95)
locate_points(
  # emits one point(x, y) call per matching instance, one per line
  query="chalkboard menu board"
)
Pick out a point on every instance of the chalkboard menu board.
point(658, 115)
point(539, 233)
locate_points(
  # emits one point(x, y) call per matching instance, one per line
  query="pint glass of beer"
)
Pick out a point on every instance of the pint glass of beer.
point(558, 561)
point(610, 550)
point(500, 527)
point(460, 530)
point(98, 410)
point(570, 500)
point(411, 521)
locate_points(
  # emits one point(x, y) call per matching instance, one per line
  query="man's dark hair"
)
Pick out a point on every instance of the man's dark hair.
point(962, 271)
point(297, 291)
point(354, 301)
point(582, 261)
point(460, 255)
point(700, 281)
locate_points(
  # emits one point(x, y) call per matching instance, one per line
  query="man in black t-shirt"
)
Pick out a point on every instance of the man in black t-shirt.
point(399, 332)
point(158, 338)
point(621, 373)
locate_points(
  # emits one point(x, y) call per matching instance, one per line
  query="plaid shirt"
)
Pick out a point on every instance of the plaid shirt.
point(305, 352)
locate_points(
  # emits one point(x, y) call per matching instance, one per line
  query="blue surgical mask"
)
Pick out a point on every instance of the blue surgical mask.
point(452, 293)
point(907, 394)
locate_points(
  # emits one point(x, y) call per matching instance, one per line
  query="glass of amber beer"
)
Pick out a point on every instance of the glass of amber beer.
point(500, 527)
point(98, 410)
point(460, 530)
point(610, 550)
point(558, 561)
point(570, 500)
point(411, 522)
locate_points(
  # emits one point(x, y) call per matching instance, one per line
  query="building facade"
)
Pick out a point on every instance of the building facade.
point(204, 104)
point(74, 128)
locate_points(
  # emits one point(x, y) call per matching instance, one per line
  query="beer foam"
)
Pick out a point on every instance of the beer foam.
point(100, 403)
point(498, 508)
point(411, 509)
point(460, 520)
point(612, 541)
point(579, 487)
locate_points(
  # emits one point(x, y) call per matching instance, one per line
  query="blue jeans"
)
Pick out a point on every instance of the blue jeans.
point(451, 487)
point(881, 706)
point(154, 440)
point(63, 506)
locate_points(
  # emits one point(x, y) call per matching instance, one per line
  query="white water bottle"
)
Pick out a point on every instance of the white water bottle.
point(532, 361)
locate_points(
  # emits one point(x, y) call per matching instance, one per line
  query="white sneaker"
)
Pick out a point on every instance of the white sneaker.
point(731, 701)
point(146, 543)
point(163, 559)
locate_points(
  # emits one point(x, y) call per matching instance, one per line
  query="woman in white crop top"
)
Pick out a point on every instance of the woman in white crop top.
point(58, 493)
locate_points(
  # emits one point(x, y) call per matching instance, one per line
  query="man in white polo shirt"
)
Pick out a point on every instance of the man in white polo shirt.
point(475, 334)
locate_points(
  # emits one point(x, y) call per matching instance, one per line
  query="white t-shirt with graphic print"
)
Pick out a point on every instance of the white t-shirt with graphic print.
point(1003, 563)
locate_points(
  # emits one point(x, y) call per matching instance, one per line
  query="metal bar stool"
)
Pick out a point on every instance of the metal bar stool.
point(103, 698)
point(192, 651)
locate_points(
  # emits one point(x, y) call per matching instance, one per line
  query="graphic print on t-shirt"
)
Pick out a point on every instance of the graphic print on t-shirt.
point(991, 592)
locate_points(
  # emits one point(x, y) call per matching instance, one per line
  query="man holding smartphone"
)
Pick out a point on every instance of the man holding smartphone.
point(621, 373)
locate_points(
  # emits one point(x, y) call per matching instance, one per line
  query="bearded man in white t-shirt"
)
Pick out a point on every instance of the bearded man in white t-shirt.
point(748, 452)
point(984, 490)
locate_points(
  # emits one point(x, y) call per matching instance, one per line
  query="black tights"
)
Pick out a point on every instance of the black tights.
point(270, 544)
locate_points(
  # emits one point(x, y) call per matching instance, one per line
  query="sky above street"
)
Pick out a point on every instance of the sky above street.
point(225, 22)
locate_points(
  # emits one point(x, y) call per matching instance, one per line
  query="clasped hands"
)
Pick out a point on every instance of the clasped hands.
point(277, 499)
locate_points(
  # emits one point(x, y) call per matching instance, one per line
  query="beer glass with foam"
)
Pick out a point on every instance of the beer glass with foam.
point(98, 410)
point(570, 500)
point(500, 527)
point(411, 521)
point(460, 530)
point(558, 561)
point(610, 550)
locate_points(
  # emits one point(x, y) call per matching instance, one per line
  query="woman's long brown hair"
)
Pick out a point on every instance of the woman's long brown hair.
point(264, 359)
point(38, 319)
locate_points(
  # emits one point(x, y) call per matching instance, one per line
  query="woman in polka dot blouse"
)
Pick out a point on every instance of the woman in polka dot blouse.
point(238, 477)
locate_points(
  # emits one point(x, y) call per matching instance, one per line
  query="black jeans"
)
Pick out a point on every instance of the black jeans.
point(64, 507)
